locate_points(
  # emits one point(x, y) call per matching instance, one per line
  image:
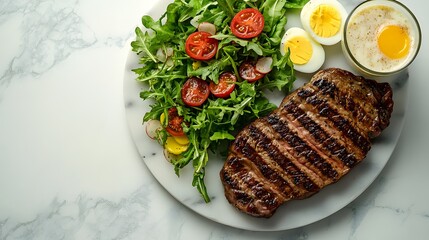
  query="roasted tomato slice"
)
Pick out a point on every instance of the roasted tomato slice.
point(200, 46)
point(248, 72)
point(195, 92)
point(248, 23)
point(174, 125)
point(225, 85)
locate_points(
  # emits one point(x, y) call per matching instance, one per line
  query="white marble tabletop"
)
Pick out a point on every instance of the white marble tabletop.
point(69, 168)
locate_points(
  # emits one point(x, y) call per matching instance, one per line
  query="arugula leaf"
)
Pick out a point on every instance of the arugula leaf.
point(162, 32)
point(228, 6)
point(210, 71)
point(295, 3)
point(140, 45)
point(222, 135)
point(273, 10)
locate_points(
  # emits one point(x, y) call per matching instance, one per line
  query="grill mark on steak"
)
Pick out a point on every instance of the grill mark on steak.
point(319, 135)
point(341, 123)
point(325, 168)
point(237, 195)
point(299, 179)
point(242, 148)
point(314, 104)
point(354, 106)
point(375, 99)
point(250, 147)
point(251, 191)
point(383, 94)
point(289, 153)
point(348, 111)
point(322, 143)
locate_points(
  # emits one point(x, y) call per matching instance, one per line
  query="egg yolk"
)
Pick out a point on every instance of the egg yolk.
point(300, 49)
point(394, 41)
point(325, 21)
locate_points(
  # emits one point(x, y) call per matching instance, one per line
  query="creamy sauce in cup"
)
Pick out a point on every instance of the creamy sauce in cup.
point(381, 37)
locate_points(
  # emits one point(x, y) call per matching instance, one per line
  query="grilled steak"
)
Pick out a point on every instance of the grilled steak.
point(318, 133)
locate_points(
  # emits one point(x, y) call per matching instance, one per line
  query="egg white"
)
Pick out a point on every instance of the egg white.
point(317, 58)
point(305, 16)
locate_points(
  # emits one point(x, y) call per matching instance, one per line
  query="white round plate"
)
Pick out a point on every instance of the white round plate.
point(292, 214)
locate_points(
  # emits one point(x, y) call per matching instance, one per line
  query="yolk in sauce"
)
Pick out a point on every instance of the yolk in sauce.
point(394, 41)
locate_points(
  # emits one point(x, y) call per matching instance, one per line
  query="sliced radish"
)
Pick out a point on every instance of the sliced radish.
point(263, 65)
point(169, 62)
point(161, 55)
point(169, 52)
point(207, 27)
point(169, 156)
point(152, 127)
point(194, 21)
point(164, 55)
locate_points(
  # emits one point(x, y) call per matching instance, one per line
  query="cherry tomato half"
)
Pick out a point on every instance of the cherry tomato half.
point(248, 23)
point(174, 126)
point(195, 92)
point(225, 86)
point(248, 72)
point(200, 46)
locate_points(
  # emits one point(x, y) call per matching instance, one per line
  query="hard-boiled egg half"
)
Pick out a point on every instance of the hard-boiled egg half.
point(306, 54)
point(324, 20)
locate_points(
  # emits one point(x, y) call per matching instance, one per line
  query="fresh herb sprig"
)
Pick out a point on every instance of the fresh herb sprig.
point(208, 127)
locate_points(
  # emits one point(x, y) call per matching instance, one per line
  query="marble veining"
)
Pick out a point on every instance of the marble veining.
point(84, 218)
point(101, 218)
point(51, 30)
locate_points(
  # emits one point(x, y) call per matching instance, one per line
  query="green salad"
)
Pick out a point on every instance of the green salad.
point(205, 64)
